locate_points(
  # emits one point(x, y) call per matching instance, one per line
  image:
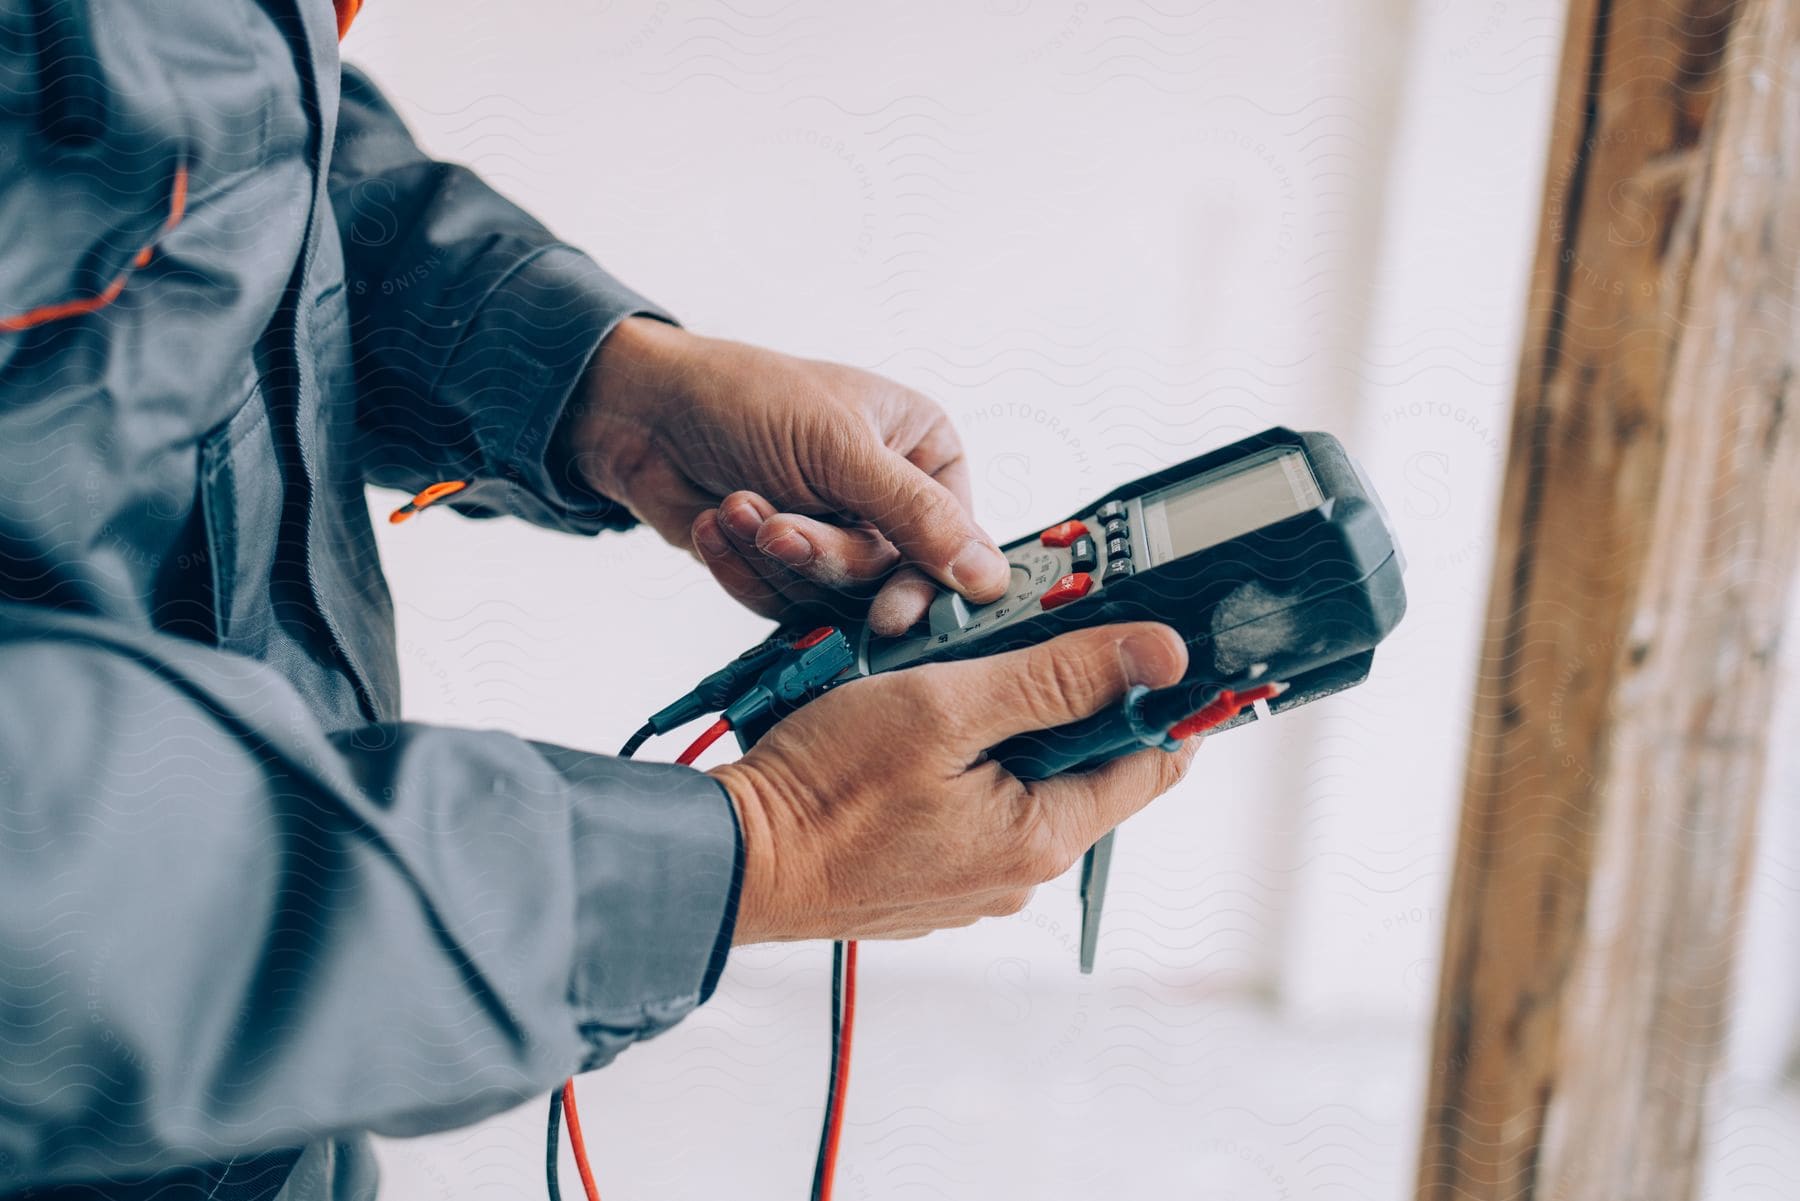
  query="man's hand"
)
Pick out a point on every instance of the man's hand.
point(873, 813)
point(800, 484)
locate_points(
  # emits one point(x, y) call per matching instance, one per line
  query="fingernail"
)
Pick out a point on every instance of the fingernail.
point(790, 547)
point(742, 519)
point(979, 568)
point(1147, 660)
point(710, 538)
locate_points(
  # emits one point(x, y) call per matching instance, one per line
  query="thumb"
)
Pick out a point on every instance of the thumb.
point(919, 515)
point(1062, 680)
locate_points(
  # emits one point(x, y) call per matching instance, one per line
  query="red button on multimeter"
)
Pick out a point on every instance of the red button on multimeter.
point(1071, 587)
point(1063, 535)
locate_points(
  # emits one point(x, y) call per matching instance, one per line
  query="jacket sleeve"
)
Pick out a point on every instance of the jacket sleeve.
point(222, 930)
point(471, 323)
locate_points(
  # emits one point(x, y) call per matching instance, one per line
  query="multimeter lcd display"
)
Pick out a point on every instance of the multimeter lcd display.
point(1227, 503)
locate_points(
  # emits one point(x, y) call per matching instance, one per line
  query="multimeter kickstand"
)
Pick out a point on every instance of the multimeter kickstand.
point(1095, 866)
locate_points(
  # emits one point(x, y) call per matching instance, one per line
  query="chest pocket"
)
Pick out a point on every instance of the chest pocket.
point(241, 493)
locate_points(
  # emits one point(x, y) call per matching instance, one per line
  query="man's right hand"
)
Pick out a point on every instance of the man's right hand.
point(874, 813)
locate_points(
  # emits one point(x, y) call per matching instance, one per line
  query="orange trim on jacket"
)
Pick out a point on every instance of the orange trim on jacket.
point(429, 496)
point(44, 314)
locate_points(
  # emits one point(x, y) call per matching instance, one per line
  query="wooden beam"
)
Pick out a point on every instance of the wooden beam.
point(1648, 528)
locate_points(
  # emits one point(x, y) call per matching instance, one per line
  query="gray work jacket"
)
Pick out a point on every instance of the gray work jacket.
point(246, 913)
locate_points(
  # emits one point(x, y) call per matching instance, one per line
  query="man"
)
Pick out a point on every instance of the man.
point(246, 913)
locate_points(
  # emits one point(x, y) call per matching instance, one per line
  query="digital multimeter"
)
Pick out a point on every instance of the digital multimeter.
point(1272, 558)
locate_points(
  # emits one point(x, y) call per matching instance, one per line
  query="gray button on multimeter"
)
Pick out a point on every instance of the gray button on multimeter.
point(949, 613)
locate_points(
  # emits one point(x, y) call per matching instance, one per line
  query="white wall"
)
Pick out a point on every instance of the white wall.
point(1107, 236)
point(1433, 380)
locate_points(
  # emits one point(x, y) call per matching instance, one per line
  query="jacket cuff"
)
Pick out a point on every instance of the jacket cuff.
point(533, 336)
point(658, 868)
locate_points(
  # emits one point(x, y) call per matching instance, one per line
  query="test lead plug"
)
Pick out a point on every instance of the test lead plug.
point(723, 686)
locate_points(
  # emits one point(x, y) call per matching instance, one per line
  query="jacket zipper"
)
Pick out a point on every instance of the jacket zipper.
point(307, 69)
